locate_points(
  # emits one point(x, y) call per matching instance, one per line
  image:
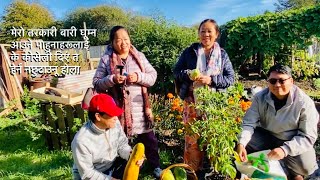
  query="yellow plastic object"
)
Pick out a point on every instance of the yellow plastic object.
point(132, 169)
point(168, 175)
point(165, 175)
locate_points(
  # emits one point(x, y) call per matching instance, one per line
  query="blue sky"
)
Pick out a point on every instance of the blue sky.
point(183, 12)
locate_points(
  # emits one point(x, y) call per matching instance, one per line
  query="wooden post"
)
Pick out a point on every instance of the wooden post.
point(51, 122)
point(88, 51)
point(61, 126)
point(69, 121)
point(44, 120)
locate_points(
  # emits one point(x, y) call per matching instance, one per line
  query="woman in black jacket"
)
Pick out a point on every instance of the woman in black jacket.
point(215, 71)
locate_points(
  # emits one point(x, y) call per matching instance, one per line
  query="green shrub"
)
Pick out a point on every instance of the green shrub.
point(217, 130)
point(162, 43)
point(316, 83)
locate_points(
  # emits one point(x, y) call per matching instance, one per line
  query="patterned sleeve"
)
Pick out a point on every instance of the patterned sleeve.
point(149, 77)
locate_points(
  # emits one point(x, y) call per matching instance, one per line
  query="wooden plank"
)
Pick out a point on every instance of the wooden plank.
point(6, 81)
point(6, 92)
point(7, 60)
point(51, 122)
point(13, 80)
point(44, 120)
point(95, 59)
point(70, 122)
point(3, 94)
point(61, 126)
point(6, 111)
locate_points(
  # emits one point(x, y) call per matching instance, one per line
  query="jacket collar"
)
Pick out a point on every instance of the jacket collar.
point(195, 46)
point(95, 129)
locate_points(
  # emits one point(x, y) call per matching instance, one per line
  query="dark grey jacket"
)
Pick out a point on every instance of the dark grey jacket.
point(188, 60)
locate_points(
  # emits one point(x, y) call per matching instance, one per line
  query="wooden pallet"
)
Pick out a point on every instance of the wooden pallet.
point(61, 121)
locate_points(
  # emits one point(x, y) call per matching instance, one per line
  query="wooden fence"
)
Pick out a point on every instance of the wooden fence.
point(61, 119)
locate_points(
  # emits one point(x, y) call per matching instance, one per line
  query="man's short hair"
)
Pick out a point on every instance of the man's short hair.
point(279, 68)
point(92, 115)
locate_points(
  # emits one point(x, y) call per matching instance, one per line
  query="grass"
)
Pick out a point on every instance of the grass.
point(21, 158)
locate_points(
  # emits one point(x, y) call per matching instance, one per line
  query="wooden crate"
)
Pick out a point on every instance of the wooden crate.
point(64, 97)
point(61, 121)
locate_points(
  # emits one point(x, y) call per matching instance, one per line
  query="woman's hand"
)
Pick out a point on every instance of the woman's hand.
point(276, 154)
point(132, 77)
point(241, 150)
point(203, 80)
point(119, 79)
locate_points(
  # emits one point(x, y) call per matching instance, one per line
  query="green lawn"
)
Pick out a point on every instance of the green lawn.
point(22, 158)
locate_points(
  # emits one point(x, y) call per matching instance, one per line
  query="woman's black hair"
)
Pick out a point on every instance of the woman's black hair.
point(92, 115)
point(213, 22)
point(113, 31)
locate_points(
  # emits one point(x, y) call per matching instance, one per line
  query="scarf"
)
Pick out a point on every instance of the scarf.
point(212, 65)
point(121, 95)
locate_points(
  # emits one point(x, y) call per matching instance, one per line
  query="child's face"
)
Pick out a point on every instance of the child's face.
point(108, 121)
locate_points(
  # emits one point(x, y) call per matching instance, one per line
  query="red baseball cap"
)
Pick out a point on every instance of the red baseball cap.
point(104, 103)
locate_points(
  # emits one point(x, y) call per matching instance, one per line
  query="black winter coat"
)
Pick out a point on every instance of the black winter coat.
point(188, 61)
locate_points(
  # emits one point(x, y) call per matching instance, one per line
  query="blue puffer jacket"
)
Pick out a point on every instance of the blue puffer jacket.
point(188, 60)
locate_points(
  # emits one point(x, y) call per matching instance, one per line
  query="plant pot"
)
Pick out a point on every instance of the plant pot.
point(37, 83)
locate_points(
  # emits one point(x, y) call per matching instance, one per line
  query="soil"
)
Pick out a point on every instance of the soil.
point(304, 85)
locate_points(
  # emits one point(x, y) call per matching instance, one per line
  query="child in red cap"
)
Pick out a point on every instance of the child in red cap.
point(100, 148)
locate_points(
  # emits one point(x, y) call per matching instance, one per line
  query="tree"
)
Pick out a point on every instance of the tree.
point(21, 14)
point(102, 18)
point(294, 4)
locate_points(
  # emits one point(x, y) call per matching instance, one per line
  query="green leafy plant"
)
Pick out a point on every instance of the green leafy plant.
point(316, 83)
point(306, 67)
point(168, 116)
point(220, 123)
point(162, 42)
point(29, 118)
point(273, 34)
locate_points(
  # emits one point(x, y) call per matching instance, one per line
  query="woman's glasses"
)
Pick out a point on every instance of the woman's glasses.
point(274, 81)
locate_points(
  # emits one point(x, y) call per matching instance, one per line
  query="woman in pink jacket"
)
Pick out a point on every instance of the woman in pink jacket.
point(125, 74)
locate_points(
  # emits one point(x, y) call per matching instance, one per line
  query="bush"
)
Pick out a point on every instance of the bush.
point(162, 43)
point(316, 83)
point(221, 115)
point(305, 68)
